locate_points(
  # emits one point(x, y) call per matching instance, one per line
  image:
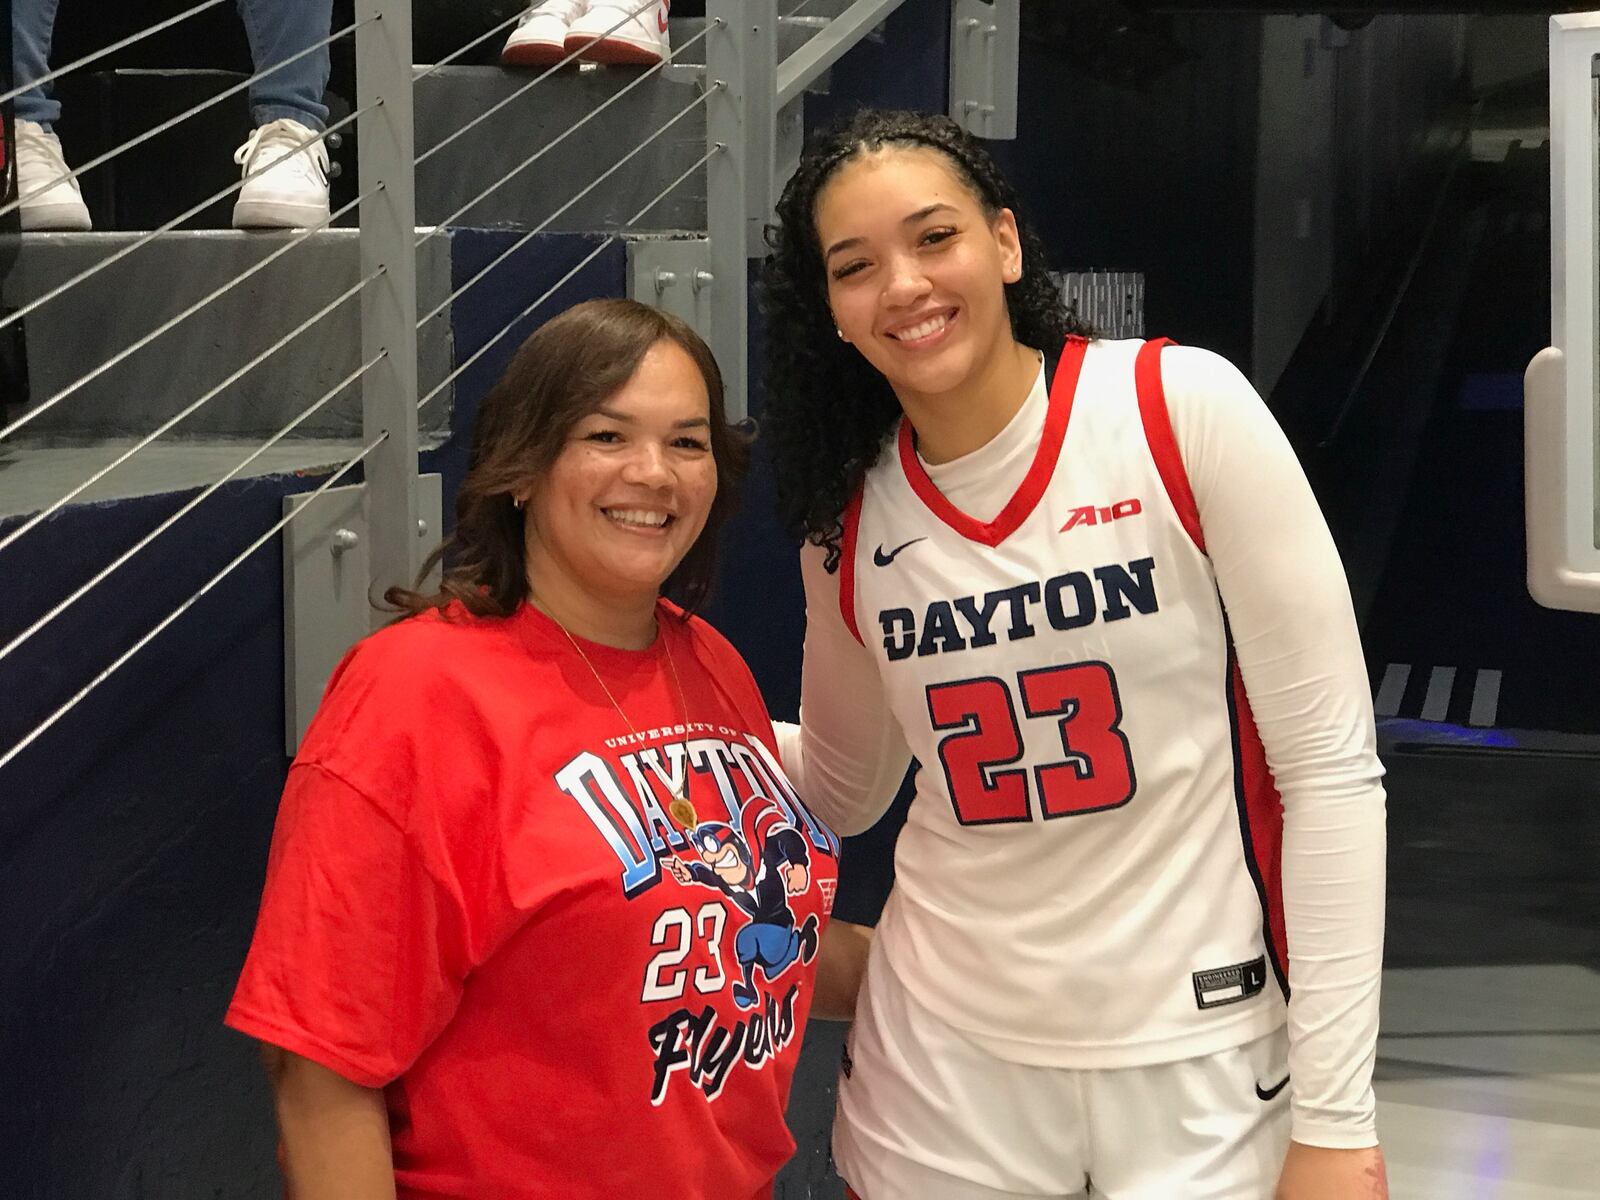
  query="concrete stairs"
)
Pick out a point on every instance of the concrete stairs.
point(61, 339)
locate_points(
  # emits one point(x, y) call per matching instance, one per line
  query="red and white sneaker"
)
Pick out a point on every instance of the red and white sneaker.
point(540, 38)
point(622, 31)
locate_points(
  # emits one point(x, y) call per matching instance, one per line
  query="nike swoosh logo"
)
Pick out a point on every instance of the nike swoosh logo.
point(1265, 1094)
point(883, 558)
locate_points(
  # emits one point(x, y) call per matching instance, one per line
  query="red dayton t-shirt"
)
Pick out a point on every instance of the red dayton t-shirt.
point(472, 901)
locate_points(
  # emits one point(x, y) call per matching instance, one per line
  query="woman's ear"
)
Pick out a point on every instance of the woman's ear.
point(1010, 244)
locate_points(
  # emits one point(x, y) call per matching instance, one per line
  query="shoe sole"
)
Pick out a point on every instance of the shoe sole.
point(55, 218)
point(614, 52)
point(533, 54)
point(277, 215)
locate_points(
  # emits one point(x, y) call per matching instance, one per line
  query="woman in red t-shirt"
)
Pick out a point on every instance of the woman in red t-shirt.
point(543, 915)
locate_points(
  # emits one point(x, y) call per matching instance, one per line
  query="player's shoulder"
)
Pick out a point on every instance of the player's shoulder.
point(1199, 366)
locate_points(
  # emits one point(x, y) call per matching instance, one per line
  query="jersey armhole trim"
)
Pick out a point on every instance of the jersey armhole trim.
point(851, 521)
point(1162, 441)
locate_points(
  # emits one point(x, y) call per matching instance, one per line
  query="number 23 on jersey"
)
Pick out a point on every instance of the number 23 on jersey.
point(1094, 774)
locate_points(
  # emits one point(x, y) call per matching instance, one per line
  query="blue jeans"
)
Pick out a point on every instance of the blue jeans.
point(276, 29)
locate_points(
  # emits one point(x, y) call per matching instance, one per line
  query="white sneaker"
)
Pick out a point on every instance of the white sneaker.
point(539, 40)
point(641, 36)
point(48, 200)
point(292, 192)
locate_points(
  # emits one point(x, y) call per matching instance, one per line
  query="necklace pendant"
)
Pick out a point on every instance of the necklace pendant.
point(682, 811)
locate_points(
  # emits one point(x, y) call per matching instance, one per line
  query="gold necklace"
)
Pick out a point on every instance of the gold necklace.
point(682, 811)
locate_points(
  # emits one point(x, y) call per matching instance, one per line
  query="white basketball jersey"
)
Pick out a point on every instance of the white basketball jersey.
point(1089, 873)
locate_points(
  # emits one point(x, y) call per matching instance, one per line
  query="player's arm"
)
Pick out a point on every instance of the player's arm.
point(1299, 651)
point(841, 963)
point(847, 757)
point(335, 1133)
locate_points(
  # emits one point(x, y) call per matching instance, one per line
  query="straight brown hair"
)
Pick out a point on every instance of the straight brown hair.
point(568, 368)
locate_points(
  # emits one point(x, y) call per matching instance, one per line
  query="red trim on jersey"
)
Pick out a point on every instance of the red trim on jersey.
point(1158, 434)
point(851, 520)
point(1026, 497)
point(1261, 822)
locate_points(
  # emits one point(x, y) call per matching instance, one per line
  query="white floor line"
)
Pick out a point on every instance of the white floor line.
point(1392, 690)
point(1436, 705)
point(1485, 698)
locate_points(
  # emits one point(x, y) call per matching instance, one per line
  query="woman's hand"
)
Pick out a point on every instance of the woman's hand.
point(335, 1133)
point(841, 963)
point(1320, 1173)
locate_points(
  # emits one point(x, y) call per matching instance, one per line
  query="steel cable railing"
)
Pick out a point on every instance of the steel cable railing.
point(95, 56)
point(45, 406)
point(117, 664)
point(647, 74)
point(174, 321)
point(171, 224)
point(609, 241)
point(382, 238)
point(193, 503)
point(188, 411)
point(192, 110)
point(527, 237)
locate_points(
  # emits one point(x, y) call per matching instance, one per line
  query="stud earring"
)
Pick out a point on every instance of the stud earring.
point(840, 332)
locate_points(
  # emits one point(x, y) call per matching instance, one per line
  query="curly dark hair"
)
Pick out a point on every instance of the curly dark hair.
point(568, 368)
point(827, 409)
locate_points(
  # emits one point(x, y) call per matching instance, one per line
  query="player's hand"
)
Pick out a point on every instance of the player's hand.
point(796, 878)
point(679, 870)
point(1320, 1173)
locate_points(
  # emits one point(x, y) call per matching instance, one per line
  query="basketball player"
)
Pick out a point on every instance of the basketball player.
point(1134, 945)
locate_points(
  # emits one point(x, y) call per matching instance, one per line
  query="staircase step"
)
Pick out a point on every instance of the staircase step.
point(95, 320)
point(38, 471)
point(449, 180)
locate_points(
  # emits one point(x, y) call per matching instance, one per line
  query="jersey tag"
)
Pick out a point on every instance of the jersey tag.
point(1229, 985)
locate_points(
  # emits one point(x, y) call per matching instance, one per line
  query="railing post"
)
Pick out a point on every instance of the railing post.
point(389, 304)
point(741, 64)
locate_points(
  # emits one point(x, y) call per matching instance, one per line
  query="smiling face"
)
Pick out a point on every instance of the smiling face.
point(916, 270)
point(629, 493)
point(722, 856)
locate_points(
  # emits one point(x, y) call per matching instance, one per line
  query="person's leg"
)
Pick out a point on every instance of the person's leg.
point(279, 29)
point(1212, 1128)
point(49, 199)
point(32, 24)
point(924, 1114)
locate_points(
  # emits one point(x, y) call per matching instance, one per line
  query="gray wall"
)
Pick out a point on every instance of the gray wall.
point(1351, 128)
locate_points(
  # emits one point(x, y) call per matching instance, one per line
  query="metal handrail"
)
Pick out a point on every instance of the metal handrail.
point(800, 69)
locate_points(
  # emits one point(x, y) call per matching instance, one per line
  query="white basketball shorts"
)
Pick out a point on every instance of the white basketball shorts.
point(924, 1114)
